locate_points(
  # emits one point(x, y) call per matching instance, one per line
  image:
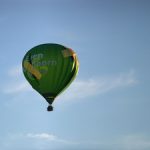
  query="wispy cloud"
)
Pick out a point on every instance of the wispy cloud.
point(43, 136)
point(48, 137)
point(15, 71)
point(79, 89)
point(38, 141)
point(135, 142)
point(95, 86)
point(16, 82)
point(123, 142)
point(45, 141)
point(14, 88)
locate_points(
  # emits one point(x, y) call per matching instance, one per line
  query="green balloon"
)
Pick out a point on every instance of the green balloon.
point(50, 68)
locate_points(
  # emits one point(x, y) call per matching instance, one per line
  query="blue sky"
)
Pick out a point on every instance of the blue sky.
point(107, 106)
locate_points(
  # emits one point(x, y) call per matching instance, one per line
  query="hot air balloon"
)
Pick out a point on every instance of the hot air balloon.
point(50, 68)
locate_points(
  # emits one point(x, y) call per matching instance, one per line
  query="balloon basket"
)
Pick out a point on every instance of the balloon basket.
point(50, 108)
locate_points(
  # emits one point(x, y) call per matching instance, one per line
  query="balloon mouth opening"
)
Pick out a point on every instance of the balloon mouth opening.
point(49, 100)
point(49, 97)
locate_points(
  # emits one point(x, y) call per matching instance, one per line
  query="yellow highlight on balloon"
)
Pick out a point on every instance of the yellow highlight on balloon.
point(32, 70)
point(68, 52)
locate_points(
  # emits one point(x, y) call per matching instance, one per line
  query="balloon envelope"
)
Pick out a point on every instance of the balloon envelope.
point(50, 68)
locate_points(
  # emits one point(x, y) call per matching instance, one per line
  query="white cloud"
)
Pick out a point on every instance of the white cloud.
point(79, 88)
point(16, 82)
point(42, 136)
point(44, 141)
point(122, 142)
point(135, 142)
point(14, 88)
point(95, 86)
point(48, 137)
point(38, 141)
point(15, 71)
